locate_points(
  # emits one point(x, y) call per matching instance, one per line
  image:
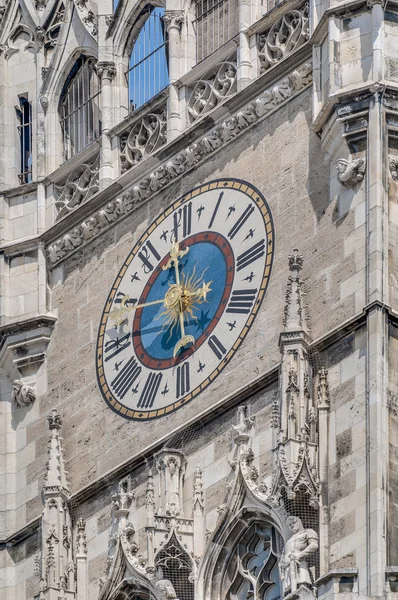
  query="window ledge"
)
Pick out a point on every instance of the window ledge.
point(60, 174)
point(145, 109)
point(210, 61)
point(273, 15)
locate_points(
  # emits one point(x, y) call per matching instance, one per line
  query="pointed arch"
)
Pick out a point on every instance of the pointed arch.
point(174, 565)
point(148, 71)
point(80, 113)
point(242, 556)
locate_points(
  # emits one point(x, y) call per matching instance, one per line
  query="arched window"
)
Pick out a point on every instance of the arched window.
point(252, 571)
point(80, 111)
point(24, 113)
point(216, 23)
point(174, 565)
point(148, 72)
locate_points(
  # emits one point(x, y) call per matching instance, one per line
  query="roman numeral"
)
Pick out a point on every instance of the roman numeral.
point(216, 346)
point(150, 390)
point(216, 210)
point(250, 255)
point(183, 385)
point(145, 255)
point(116, 346)
point(183, 218)
point(241, 301)
point(126, 377)
point(241, 221)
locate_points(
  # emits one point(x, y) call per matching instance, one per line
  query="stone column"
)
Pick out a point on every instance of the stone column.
point(376, 372)
point(244, 53)
point(106, 71)
point(173, 20)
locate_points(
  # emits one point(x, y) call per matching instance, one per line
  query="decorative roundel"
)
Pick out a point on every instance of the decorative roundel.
point(184, 299)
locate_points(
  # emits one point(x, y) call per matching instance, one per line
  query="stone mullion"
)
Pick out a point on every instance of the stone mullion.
point(244, 51)
point(173, 20)
point(377, 340)
point(106, 71)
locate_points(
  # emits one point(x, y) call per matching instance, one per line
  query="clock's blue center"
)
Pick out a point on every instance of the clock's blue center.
point(158, 327)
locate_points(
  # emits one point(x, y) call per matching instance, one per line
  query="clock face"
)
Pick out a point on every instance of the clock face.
point(184, 299)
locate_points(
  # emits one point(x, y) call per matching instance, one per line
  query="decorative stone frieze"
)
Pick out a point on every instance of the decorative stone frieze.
point(208, 93)
point(183, 162)
point(80, 185)
point(22, 394)
point(145, 136)
point(350, 172)
point(286, 35)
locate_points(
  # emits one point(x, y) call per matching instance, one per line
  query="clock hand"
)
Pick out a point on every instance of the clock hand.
point(175, 254)
point(117, 314)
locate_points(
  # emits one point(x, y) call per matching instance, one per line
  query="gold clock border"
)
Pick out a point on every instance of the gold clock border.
point(251, 191)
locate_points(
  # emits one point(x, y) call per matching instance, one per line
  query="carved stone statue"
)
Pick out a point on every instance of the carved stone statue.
point(165, 590)
point(22, 394)
point(350, 172)
point(293, 564)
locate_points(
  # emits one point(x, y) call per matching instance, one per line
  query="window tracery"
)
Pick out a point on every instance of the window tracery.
point(80, 110)
point(175, 566)
point(252, 572)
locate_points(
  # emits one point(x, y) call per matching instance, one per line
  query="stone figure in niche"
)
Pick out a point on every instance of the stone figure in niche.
point(165, 590)
point(22, 394)
point(293, 564)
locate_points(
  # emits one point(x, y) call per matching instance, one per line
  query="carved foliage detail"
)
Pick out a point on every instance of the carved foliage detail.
point(182, 162)
point(145, 136)
point(287, 34)
point(207, 93)
point(80, 185)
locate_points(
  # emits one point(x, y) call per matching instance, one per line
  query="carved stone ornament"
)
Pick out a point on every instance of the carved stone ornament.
point(87, 16)
point(393, 164)
point(22, 394)
point(145, 136)
point(286, 35)
point(183, 162)
point(293, 564)
point(80, 185)
point(106, 69)
point(173, 18)
point(207, 93)
point(41, 4)
point(350, 172)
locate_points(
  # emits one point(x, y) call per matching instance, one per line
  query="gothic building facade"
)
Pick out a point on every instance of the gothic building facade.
point(198, 287)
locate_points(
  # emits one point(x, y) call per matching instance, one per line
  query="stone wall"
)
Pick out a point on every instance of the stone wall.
point(294, 181)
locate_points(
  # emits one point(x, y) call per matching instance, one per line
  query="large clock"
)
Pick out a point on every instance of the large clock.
point(184, 299)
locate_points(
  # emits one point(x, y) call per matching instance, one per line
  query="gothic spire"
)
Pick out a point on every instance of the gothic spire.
point(55, 478)
point(295, 318)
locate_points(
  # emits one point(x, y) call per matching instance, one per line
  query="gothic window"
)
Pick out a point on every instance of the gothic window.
point(174, 565)
point(252, 572)
point(24, 113)
point(148, 72)
point(216, 23)
point(80, 111)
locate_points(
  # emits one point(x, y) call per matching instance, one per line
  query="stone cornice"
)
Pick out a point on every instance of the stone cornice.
point(188, 156)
